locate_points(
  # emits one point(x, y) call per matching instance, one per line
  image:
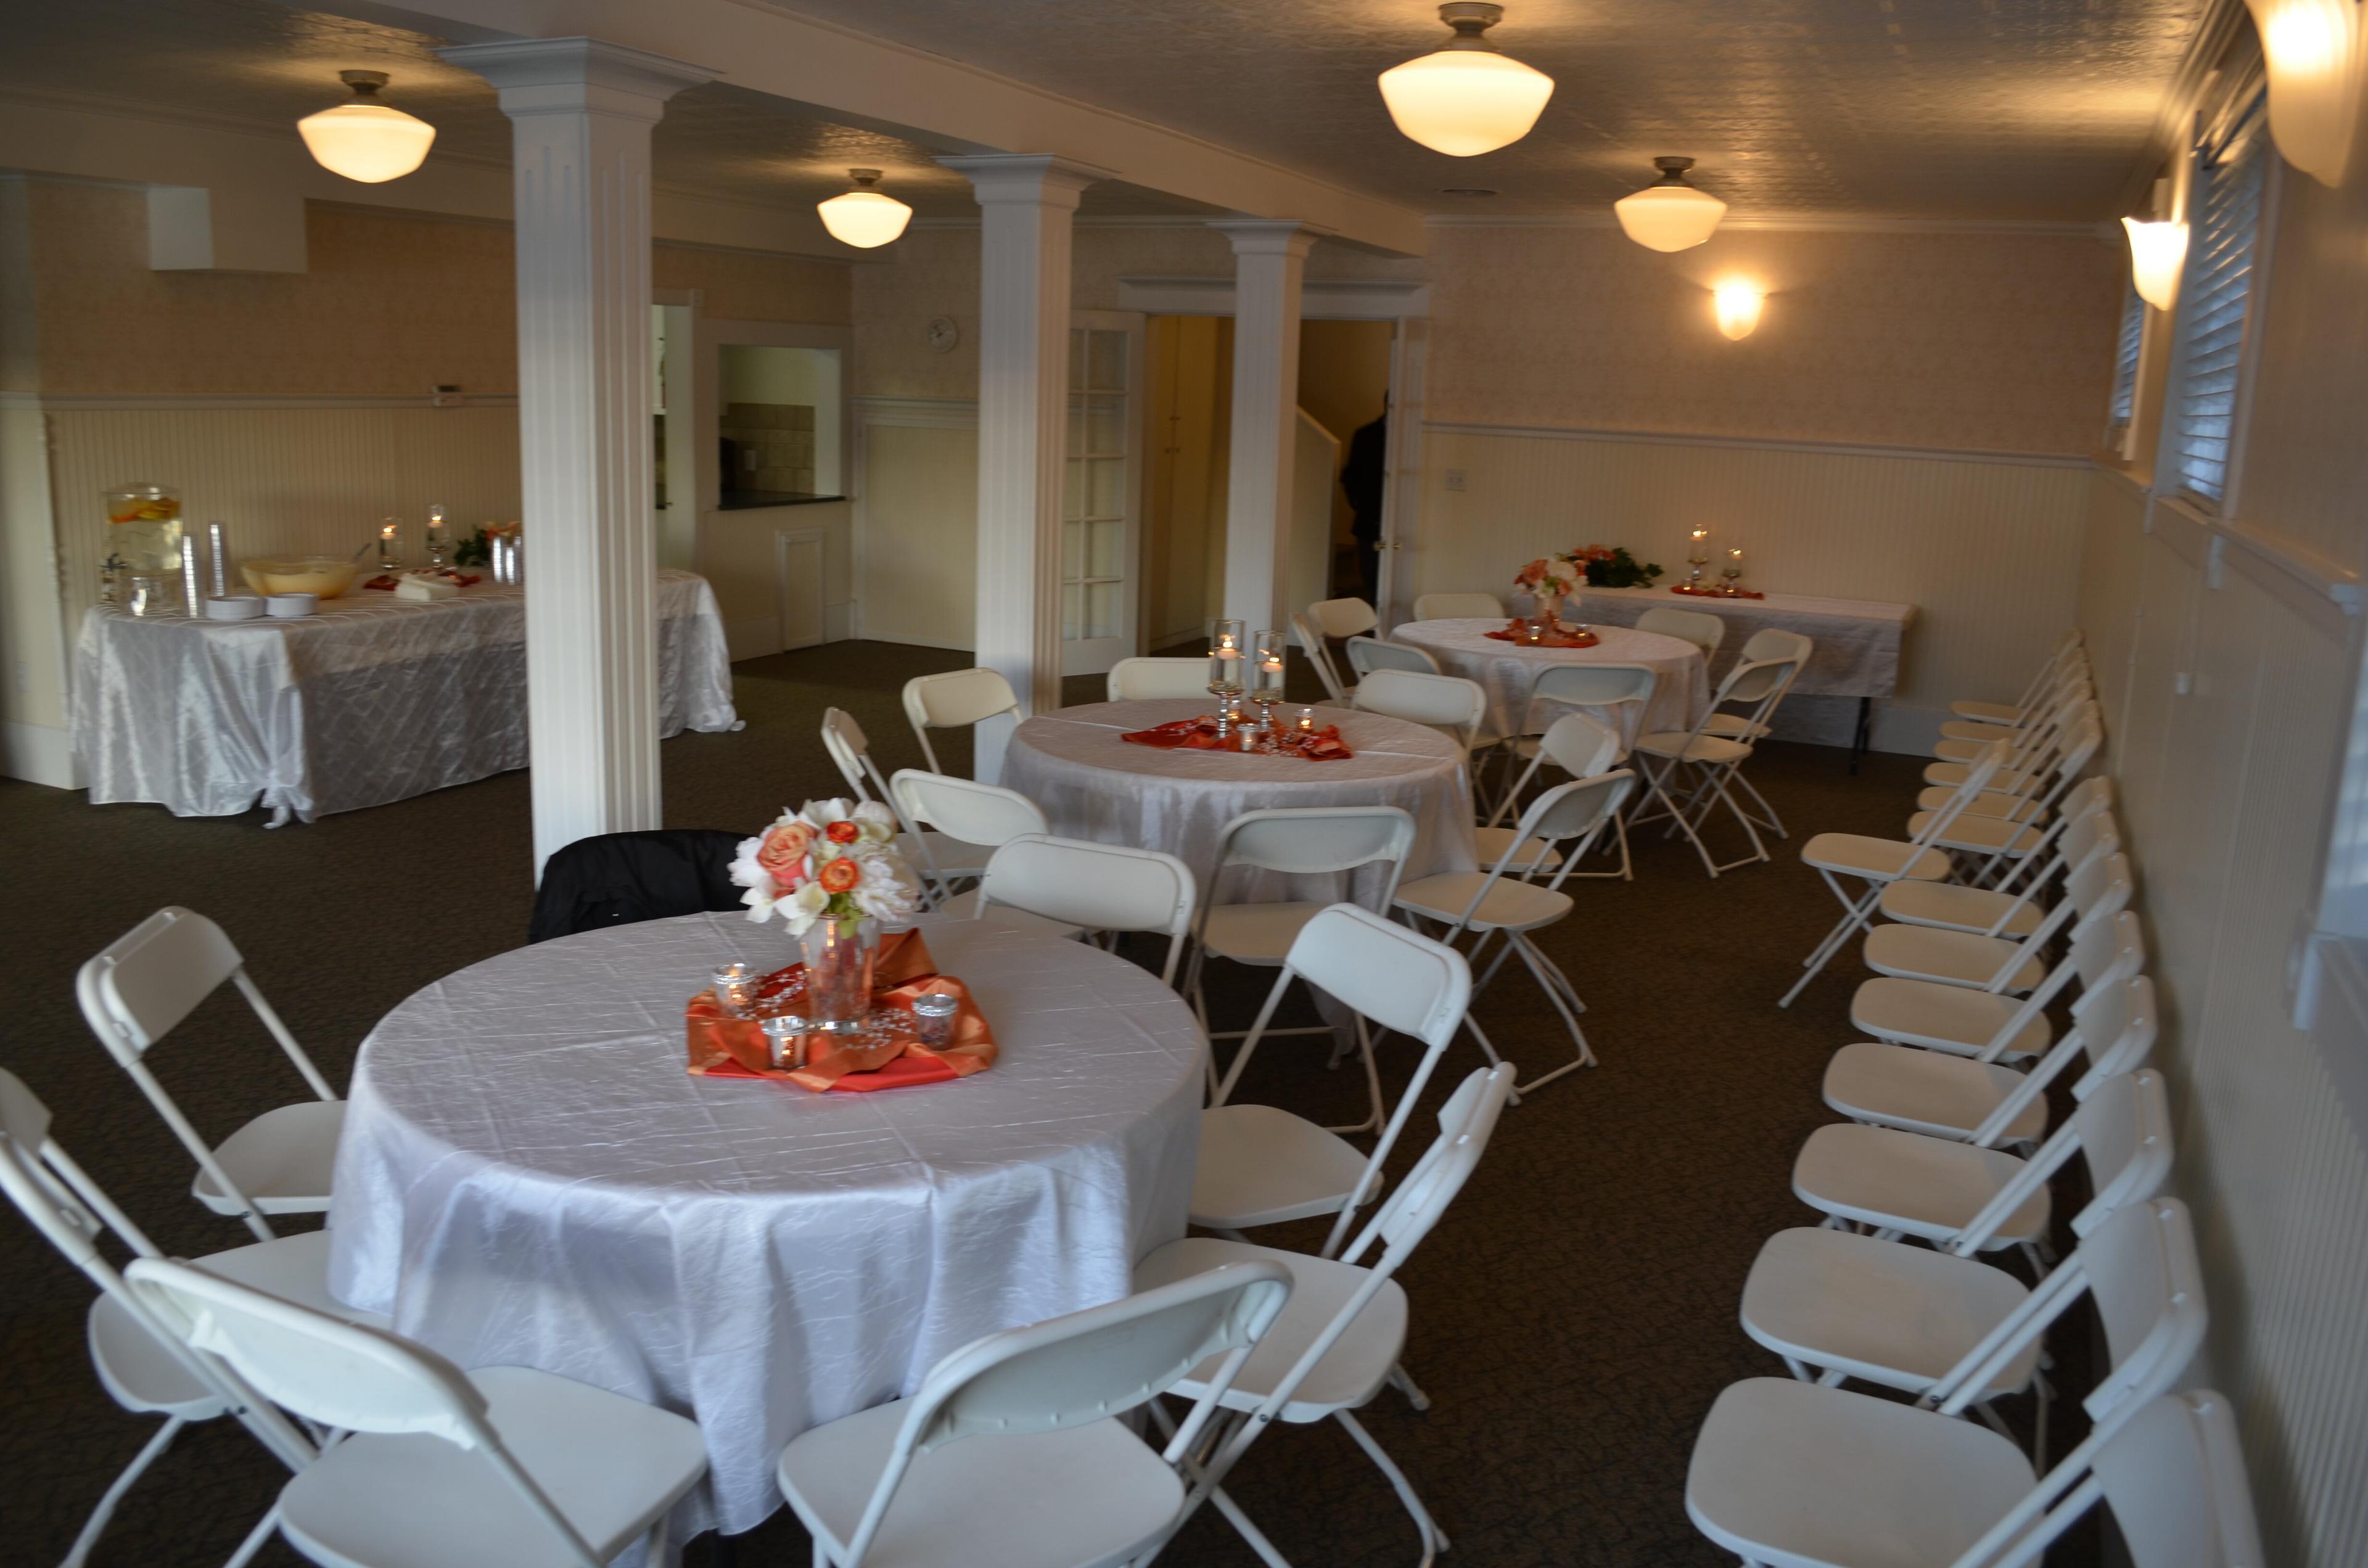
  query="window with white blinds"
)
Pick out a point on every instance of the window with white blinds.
point(2126, 362)
point(2214, 297)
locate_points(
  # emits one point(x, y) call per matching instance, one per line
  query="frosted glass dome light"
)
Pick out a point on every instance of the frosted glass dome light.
point(1669, 214)
point(2158, 251)
point(1465, 98)
point(863, 217)
point(363, 139)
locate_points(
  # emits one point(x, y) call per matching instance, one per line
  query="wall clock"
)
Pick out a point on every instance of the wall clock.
point(943, 334)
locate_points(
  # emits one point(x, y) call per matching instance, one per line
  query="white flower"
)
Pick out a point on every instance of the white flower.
point(886, 891)
point(801, 908)
point(879, 824)
point(746, 872)
point(820, 814)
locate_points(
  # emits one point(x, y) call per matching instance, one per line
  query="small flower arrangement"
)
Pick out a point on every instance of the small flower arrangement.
point(833, 860)
point(1611, 566)
point(1551, 575)
point(477, 548)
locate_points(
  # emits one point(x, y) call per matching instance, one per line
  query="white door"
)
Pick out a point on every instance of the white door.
point(1101, 493)
point(1402, 497)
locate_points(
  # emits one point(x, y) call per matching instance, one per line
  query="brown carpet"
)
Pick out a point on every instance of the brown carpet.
point(1573, 1317)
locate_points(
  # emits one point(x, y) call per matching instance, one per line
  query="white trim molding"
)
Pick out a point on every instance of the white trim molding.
point(1807, 222)
point(40, 754)
point(1320, 298)
point(1761, 443)
point(2321, 590)
point(120, 402)
point(917, 413)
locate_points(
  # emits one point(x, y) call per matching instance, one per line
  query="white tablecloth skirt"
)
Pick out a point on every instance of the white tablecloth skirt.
point(1507, 671)
point(1095, 786)
point(374, 699)
point(528, 1176)
point(1857, 652)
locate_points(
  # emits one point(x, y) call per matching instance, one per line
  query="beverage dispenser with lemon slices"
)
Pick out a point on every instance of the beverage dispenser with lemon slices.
point(144, 543)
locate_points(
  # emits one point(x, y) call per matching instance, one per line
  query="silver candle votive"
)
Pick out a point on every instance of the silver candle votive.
point(785, 1040)
point(933, 1016)
point(735, 989)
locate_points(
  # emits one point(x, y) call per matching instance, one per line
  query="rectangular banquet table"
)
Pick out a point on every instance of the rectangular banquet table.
point(374, 699)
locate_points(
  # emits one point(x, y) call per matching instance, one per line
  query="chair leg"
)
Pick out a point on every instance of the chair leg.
point(100, 1516)
point(1489, 1048)
point(1434, 1540)
point(255, 1540)
point(1853, 920)
point(1773, 823)
point(1405, 1383)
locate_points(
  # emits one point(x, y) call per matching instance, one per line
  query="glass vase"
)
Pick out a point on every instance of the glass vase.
point(839, 956)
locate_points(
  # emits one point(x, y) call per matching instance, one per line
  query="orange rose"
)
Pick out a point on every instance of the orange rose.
point(841, 875)
point(842, 833)
point(782, 856)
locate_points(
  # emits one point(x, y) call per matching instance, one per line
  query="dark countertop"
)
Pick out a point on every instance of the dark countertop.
point(745, 500)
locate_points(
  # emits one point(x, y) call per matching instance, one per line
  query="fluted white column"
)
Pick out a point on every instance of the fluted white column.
point(1026, 203)
point(1269, 256)
point(580, 113)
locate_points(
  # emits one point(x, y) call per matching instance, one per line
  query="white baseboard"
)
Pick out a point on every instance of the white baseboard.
point(40, 754)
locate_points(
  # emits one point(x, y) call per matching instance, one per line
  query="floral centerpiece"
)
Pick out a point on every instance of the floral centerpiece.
point(1550, 579)
point(832, 872)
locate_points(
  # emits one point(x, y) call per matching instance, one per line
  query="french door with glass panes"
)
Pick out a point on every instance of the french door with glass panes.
point(1101, 495)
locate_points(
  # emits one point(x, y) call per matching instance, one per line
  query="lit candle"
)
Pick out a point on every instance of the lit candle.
point(1700, 534)
point(1307, 721)
point(387, 533)
point(436, 522)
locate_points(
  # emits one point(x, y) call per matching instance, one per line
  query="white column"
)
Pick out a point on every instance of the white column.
point(1269, 258)
point(1026, 203)
point(581, 112)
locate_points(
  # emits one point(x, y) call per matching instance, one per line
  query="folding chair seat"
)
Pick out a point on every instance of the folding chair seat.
point(1965, 1022)
point(2100, 890)
point(140, 989)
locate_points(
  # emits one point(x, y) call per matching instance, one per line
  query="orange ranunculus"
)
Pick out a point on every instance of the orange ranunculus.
point(782, 856)
point(842, 833)
point(841, 875)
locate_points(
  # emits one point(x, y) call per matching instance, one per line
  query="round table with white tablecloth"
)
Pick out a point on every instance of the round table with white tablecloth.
point(1505, 671)
point(528, 1176)
point(1093, 784)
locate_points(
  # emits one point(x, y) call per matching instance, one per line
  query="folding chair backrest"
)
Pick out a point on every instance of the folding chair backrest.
point(2116, 1027)
point(1595, 686)
point(148, 979)
point(1581, 745)
point(2149, 1287)
point(2108, 953)
point(1757, 680)
point(1311, 642)
point(1466, 1122)
point(965, 809)
point(1457, 606)
point(1775, 642)
point(1132, 679)
point(1576, 809)
point(54, 1209)
point(1306, 840)
point(337, 1374)
point(2174, 1477)
point(1100, 887)
point(1342, 618)
point(1703, 630)
point(1443, 702)
point(1398, 978)
point(2121, 1132)
point(2099, 890)
point(953, 700)
point(844, 739)
point(1367, 654)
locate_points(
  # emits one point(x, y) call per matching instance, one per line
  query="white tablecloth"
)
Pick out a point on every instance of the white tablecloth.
point(374, 699)
point(1505, 671)
point(528, 1176)
point(1858, 639)
point(1093, 785)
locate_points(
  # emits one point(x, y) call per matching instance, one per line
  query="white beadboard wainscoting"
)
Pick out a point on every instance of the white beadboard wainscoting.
point(1978, 542)
point(2226, 670)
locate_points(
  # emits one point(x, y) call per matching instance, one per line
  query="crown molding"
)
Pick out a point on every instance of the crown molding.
point(2221, 22)
point(1802, 223)
point(1761, 443)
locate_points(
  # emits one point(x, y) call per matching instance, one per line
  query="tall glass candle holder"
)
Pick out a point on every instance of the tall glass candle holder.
point(1228, 646)
point(1266, 678)
point(439, 547)
point(1733, 570)
point(1697, 558)
point(390, 546)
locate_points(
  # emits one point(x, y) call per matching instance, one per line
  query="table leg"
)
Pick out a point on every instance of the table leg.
point(1864, 732)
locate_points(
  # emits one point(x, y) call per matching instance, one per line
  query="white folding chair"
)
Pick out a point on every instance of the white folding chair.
point(501, 1465)
point(1984, 1025)
point(1342, 618)
point(1966, 1198)
point(1497, 902)
point(1014, 1450)
point(1879, 862)
point(1941, 1095)
point(1311, 642)
point(1999, 841)
point(1582, 746)
point(140, 989)
point(1942, 1317)
point(945, 859)
point(1133, 679)
point(1766, 644)
point(2066, 651)
point(1304, 841)
point(954, 700)
point(1338, 1340)
point(142, 1366)
point(2012, 909)
point(1458, 607)
point(1093, 887)
point(1714, 761)
point(1785, 1472)
point(1457, 708)
point(2099, 890)
point(1703, 630)
point(1367, 654)
point(974, 814)
point(1260, 1165)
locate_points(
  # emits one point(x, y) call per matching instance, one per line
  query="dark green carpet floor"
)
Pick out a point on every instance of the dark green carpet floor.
point(1573, 1317)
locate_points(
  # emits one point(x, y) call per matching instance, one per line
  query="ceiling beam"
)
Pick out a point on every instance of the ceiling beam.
point(837, 74)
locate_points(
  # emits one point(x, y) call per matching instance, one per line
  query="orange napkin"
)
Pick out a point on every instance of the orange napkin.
point(1200, 735)
point(1514, 634)
point(1717, 593)
point(735, 1048)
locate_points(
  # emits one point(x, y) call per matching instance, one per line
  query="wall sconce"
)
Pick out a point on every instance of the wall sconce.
point(2313, 51)
point(1737, 305)
point(2157, 252)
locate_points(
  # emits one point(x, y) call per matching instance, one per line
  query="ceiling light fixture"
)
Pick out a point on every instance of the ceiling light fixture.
point(863, 217)
point(2157, 252)
point(364, 139)
point(1669, 214)
point(2313, 50)
point(1465, 98)
point(1737, 305)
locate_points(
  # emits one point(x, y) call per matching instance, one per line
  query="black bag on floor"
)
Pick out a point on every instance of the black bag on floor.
point(616, 879)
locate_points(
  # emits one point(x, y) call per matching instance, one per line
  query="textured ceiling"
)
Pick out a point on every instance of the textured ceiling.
point(2026, 110)
point(262, 65)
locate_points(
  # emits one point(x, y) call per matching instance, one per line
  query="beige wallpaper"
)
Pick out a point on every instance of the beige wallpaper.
point(747, 286)
point(1992, 341)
